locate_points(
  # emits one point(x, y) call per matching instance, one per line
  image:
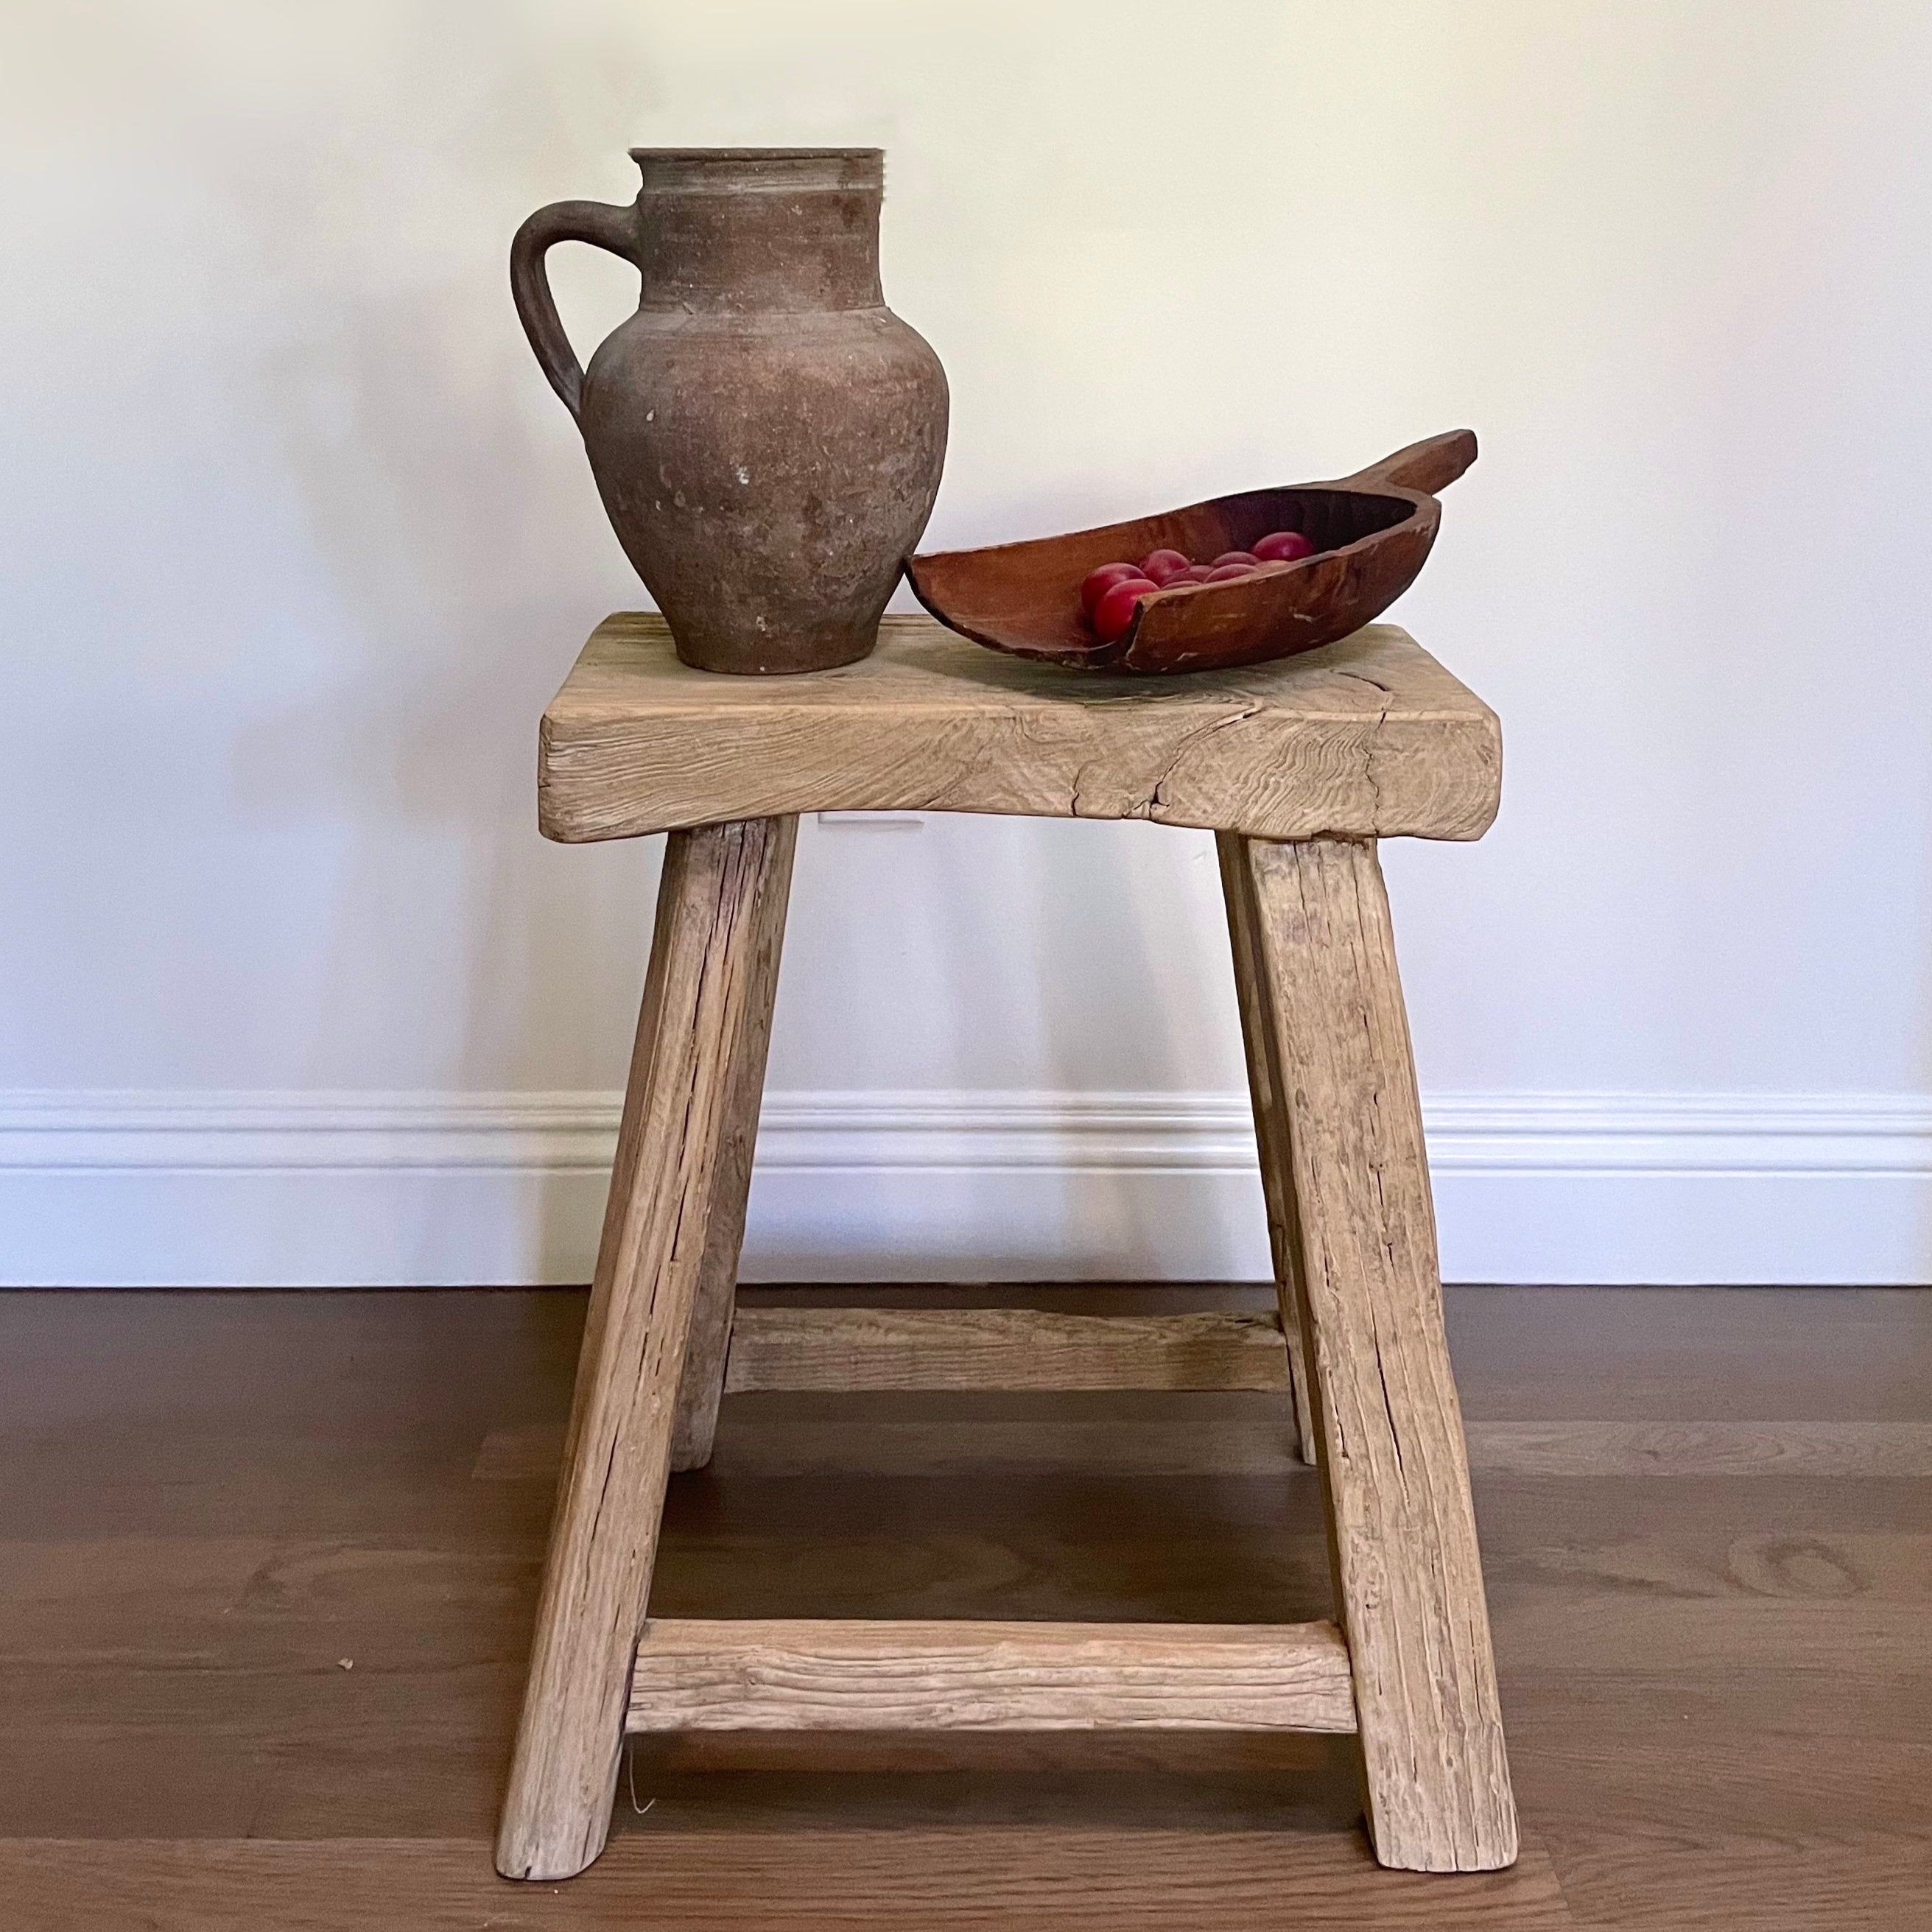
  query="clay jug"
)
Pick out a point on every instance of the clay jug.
point(766, 434)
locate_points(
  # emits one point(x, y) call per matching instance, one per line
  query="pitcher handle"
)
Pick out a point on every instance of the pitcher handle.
point(603, 225)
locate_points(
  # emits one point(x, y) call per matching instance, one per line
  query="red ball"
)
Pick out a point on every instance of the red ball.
point(1226, 573)
point(1097, 582)
point(1246, 556)
point(1115, 610)
point(1158, 566)
point(1284, 547)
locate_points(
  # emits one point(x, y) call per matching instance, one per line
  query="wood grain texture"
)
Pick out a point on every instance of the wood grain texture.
point(1719, 1692)
point(1258, 1446)
point(1001, 1349)
point(1771, 1448)
point(703, 1383)
point(746, 1675)
point(936, 1879)
point(1749, 1880)
point(1407, 1570)
point(699, 998)
point(1263, 1084)
point(1367, 736)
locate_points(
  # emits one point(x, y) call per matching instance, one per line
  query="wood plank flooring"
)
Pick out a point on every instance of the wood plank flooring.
point(268, 1562)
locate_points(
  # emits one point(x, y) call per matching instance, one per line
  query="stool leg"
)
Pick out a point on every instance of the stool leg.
point(714, 904)
point(704, 1357)
point(1393, 1462)
point(1283, 1243)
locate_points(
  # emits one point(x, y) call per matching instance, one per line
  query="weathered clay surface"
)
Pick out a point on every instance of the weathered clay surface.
point(766, 434)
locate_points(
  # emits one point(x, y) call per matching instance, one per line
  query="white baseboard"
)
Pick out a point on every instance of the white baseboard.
point(120, 1188)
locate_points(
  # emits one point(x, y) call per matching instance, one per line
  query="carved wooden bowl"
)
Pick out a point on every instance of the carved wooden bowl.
point(1371, 531)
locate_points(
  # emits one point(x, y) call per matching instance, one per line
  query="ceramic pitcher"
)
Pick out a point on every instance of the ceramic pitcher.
point(766, 434)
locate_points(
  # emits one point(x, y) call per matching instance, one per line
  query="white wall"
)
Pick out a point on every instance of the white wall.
point(297, 542)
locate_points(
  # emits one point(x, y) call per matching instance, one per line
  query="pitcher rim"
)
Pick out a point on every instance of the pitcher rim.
point(756, 154)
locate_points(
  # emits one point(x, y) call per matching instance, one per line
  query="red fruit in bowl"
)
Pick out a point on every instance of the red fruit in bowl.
point(1158, 566)
point(1284, 547)
point(1246, 556)
point(1115, 610)
point(1096, 583)
point(1226, 573)
point(1194, 573)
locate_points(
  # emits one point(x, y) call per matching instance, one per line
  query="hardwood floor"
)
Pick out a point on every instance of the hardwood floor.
point(268, 1562)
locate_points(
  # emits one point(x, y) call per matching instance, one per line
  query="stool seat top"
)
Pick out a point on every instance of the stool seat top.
point(1368, 737)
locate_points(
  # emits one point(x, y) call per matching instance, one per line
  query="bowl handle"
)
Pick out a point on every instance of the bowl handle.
point(1428, 466)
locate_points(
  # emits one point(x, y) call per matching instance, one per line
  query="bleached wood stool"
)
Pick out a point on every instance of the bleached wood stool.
point(1298, 767)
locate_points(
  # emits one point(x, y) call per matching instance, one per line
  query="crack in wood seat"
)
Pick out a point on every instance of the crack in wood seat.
point(1298, 767)
point(1367, 738)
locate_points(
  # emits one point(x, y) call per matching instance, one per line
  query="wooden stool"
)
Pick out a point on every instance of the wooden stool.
point(1298, 767)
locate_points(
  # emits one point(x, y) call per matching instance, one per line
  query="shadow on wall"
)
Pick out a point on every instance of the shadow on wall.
point(950, 1181)
point(446, 494)
point(447, 497)
point(1062, 975)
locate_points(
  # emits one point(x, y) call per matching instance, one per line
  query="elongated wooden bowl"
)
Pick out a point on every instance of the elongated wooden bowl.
point(1371, 531)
